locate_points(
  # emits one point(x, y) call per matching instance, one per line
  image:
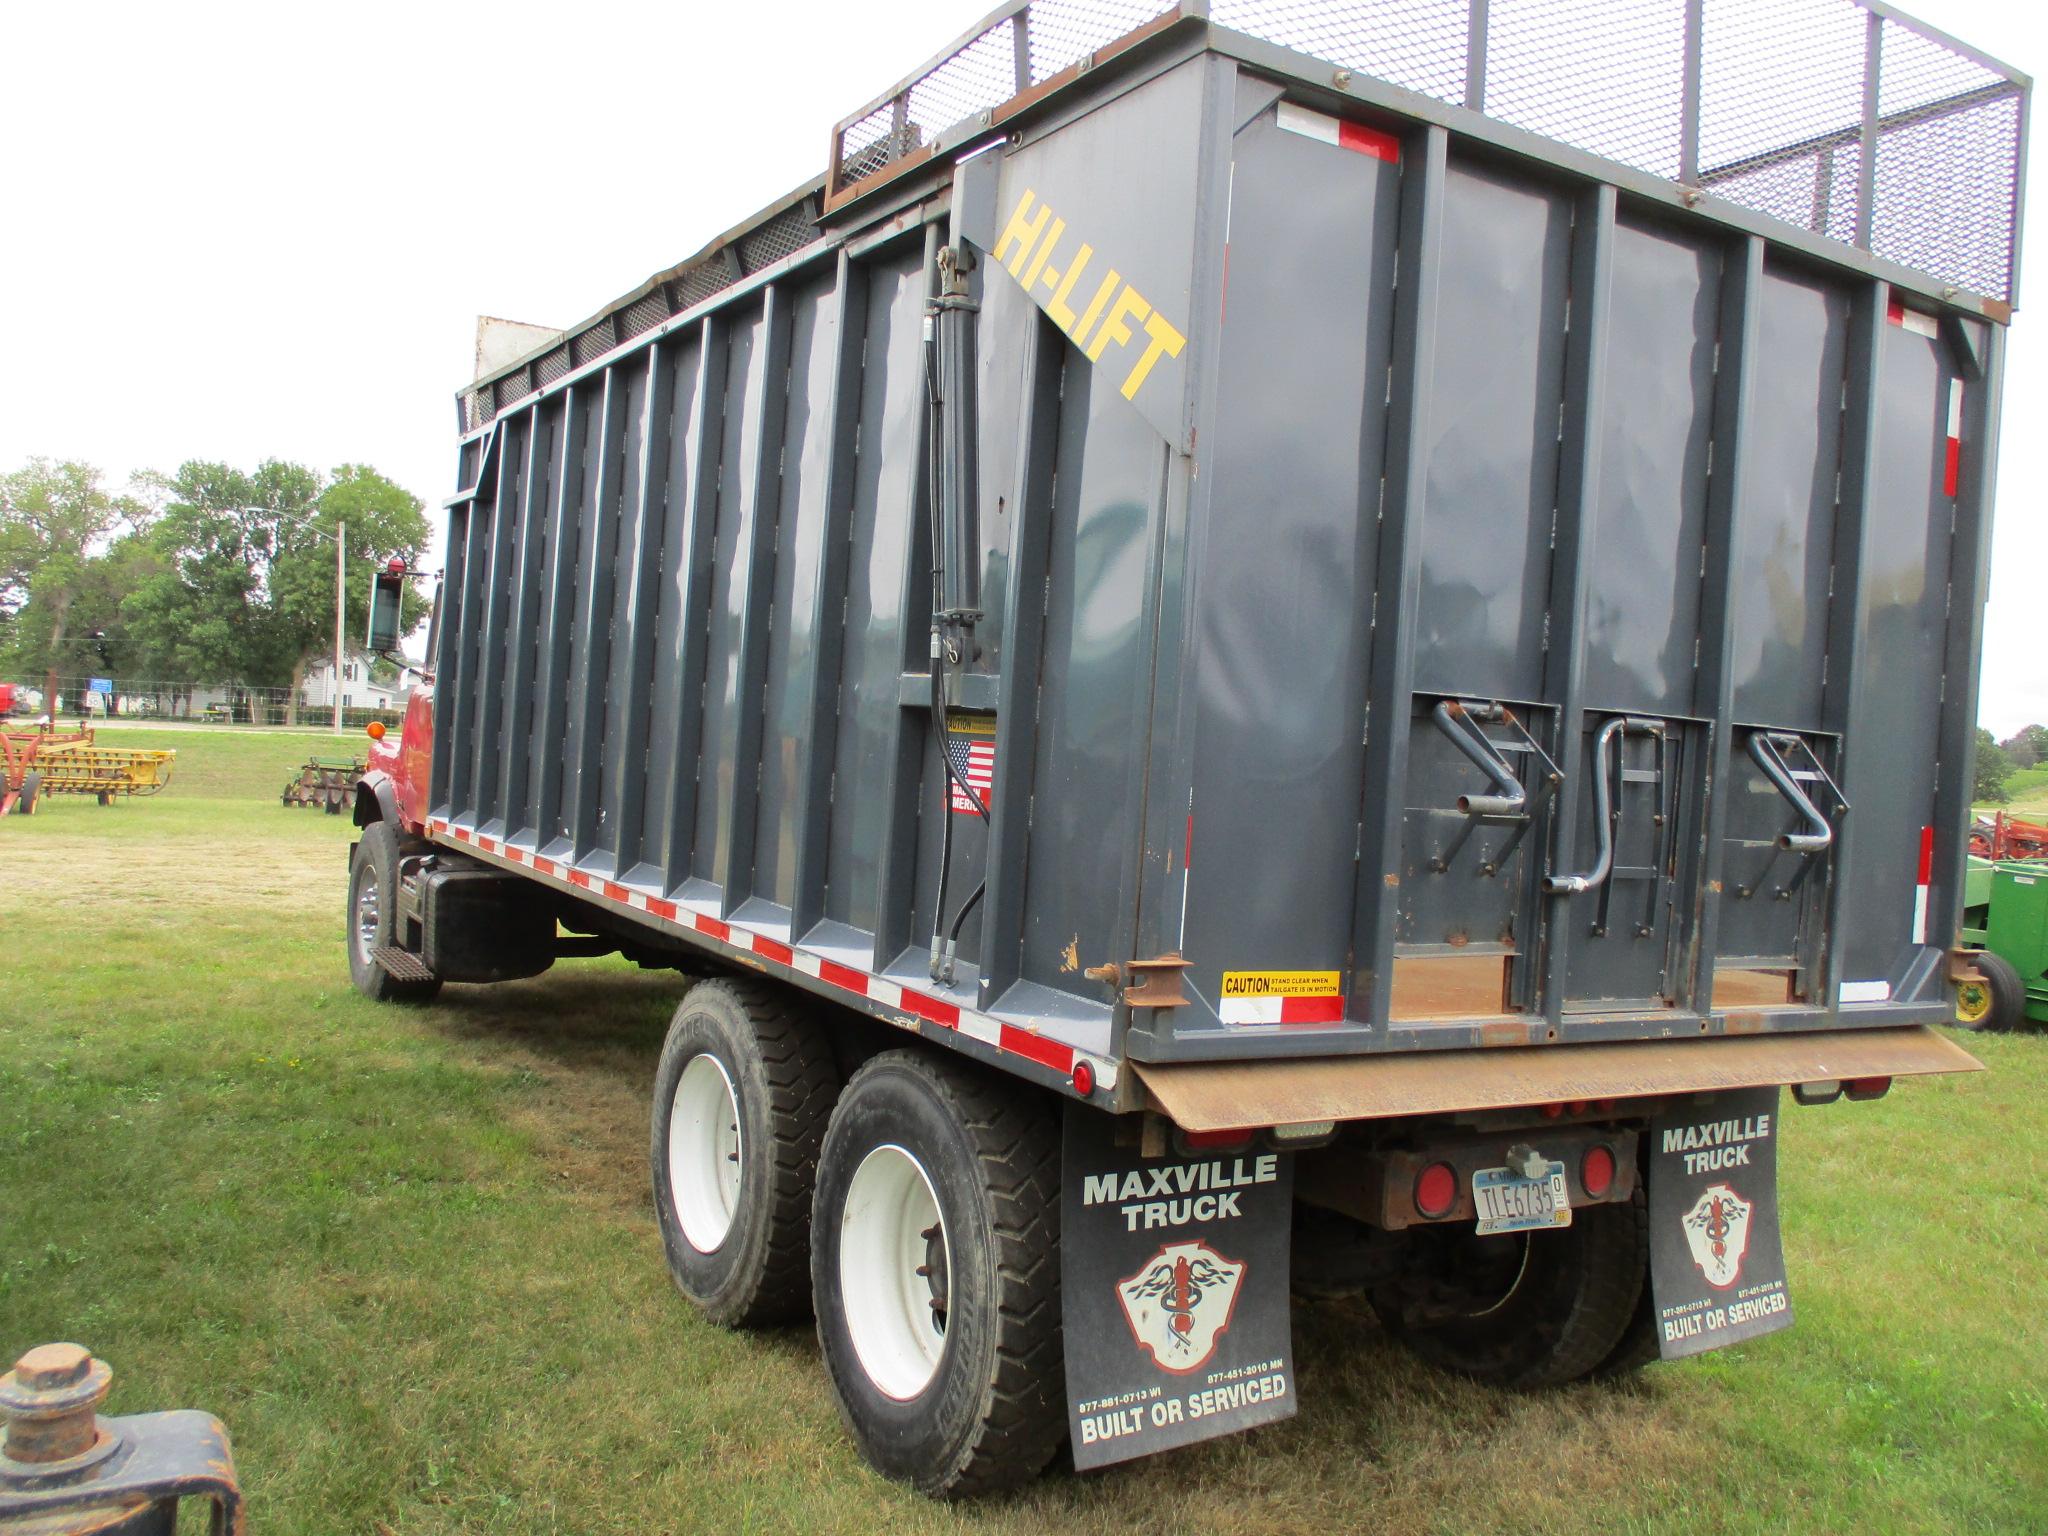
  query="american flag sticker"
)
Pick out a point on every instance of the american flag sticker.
point(974, 757)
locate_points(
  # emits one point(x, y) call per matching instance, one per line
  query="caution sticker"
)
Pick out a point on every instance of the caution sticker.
point(1282, 983)
point(1281, 997)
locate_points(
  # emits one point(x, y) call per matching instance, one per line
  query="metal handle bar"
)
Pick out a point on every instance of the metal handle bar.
point(1454, 720)
point(1603, 862)
point(1765, 753)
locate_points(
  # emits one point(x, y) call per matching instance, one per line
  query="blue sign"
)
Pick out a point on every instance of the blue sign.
point(100, 685)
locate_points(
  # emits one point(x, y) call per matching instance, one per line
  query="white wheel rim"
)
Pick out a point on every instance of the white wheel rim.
point(885, 1283)
point(704, 1153)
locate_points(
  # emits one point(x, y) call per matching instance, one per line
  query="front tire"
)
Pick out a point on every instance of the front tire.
point(741, 1097)
point(1999, 1002)
point(1525, 1310)
point(31, 791)
point(373, 918)
point(935, 1272)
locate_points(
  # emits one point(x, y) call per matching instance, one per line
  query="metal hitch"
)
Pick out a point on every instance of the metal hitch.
point(65, 1471)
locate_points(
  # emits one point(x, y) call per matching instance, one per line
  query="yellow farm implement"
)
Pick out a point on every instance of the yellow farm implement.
point(46, 762)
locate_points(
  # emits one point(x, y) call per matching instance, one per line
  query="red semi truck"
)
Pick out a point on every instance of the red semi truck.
point(1232, 671)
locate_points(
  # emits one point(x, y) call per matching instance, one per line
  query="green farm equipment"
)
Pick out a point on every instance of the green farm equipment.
point(2005, 931)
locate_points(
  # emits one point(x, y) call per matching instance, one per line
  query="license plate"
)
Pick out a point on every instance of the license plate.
point(1507, 1202)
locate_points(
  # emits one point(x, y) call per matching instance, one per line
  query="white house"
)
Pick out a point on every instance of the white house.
point(357, 691)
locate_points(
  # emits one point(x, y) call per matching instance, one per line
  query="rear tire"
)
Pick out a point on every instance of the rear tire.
point(741, 1097)
point(935, 1270)
point(1639, 1344)
point(1526, 1310)
point(373, 918)
point(2004, 1000)
point(31, 791)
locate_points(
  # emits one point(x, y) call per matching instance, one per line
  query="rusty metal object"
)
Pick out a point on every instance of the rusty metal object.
point(65, 1471)
point(328, 782)
point(1220, 1096)
point(51, 1399)
point(1156, 983)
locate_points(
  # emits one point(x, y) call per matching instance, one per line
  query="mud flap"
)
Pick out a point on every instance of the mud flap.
point(1717, 1266)
point(1174, 1279)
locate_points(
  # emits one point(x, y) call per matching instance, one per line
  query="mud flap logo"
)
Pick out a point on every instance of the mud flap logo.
point(1717, 1230)
point(1717, 1262)
point(1180, 1303)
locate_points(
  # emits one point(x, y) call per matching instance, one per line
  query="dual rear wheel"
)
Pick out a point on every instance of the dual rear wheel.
point(913, 1210)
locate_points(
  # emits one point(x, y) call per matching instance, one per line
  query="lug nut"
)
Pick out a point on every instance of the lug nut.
point(50, 1401)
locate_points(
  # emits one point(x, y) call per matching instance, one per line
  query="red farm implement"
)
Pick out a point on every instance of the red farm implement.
point(2003, 837)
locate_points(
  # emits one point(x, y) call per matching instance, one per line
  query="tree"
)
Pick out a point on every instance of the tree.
point(56, 521)
point(2021, 747)
point(1993, 768)
point(247, 589)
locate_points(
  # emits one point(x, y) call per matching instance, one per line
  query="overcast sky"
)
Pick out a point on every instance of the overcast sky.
point(266, 230)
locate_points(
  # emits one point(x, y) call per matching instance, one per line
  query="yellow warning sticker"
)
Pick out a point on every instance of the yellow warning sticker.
point(1281, 983)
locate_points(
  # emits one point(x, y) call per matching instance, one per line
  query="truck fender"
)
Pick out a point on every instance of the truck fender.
point(376, 799)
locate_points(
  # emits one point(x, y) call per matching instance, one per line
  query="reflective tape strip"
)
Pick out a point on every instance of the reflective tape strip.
point(1281, 1010)
point(1952, 466)
point(1922, 880)
point(1866, 991)
point(911, 1007)
point(1334, 130)
point(1912, 319)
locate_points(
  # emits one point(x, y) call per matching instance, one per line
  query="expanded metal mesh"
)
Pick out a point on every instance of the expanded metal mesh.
point(784, 235)
point(1770, 104)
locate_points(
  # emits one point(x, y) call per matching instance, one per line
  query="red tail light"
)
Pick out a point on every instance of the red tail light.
point(1596, 1170)
point(1436, 1190)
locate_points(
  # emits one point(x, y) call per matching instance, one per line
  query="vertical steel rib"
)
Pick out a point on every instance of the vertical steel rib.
point(516, 759)
point(769, 388)
point(627, 770)
point(707, 429)
point(1714, 688)
point(1002, 928)
point(1377, 893)
point(842, 414)
point(552, 681)
point(496, 632)
point(1845, 606)
point(1578, 501)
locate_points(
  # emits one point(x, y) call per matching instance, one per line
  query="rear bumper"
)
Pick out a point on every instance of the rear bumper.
point(1217, 1096)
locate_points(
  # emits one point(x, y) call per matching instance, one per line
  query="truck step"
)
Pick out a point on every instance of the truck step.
point(401, 964)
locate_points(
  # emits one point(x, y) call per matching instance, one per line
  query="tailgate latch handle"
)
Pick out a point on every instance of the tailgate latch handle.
point(1454, 718)
point(1767, 751)
point(1603, 819)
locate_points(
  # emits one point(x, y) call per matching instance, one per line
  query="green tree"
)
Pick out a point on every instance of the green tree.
point(57, 538)
point(1993, 768)
point(247, 589)
point(2021, 748)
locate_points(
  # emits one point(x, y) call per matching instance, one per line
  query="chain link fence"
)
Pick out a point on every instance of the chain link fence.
point(1839, 117)
point(139, 700)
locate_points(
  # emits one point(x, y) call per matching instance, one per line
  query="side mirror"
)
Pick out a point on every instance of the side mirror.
point(387, 601)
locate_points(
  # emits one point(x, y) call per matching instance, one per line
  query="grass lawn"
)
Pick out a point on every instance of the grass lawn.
point(408, 1255)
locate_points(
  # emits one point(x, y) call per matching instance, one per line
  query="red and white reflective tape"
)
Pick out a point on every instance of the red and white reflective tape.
point(910, 1008)
point(1921, 883)
point(1326, 1009)
point(1911, 319)
point(1952, 464)
point(1334, 130)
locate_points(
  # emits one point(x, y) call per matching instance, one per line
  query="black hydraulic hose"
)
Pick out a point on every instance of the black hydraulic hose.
point(967, 906)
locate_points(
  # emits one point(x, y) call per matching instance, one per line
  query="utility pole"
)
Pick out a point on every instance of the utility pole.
point(340, 595)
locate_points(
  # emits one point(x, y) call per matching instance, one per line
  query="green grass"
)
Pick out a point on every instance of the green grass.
point(408, 1255)
point(2026, 794)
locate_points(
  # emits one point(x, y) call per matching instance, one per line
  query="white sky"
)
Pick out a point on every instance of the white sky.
point(242, 231)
